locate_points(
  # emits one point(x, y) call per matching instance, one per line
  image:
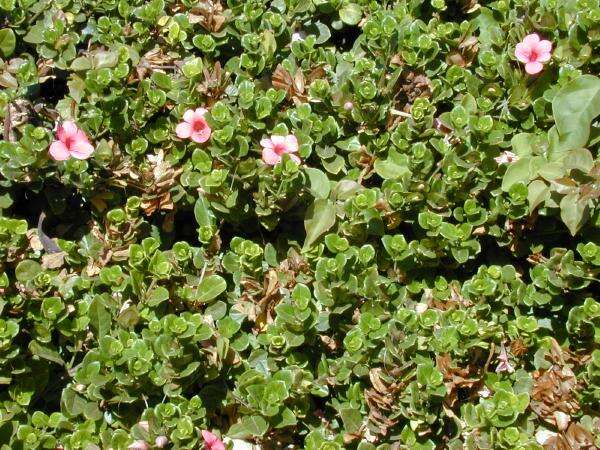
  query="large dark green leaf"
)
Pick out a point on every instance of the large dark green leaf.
point(319, 183)
point(210, 288)
point(44, 351)
point(100, 317)
point(574, 108)
point(320, 217)
point(249, 426)
point(573, 212)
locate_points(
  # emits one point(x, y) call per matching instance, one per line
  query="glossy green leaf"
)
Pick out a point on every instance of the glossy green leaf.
point(574, 108)
point(320, 217)
point(210, 288)
point(8, 42)
point(351, 13)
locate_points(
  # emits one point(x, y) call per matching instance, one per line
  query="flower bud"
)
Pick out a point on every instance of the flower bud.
point(139, 445)
point(161, 441)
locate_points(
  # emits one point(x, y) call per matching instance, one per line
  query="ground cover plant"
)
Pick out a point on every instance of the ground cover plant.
point(299, 224)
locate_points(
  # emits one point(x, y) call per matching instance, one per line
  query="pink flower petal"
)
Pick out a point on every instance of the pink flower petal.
point(200, 130)
point(295, 158)
point(80, 137)
point(531, 40)
point(505, 367)
point(183, 130)
point(266, 143)
point(522, 52)
point(202, 135)
point(188, 116)
point(544, 46)
point(81, 150)
point(211, 441)
point(59, 151)
point(506, 157)
point(544, 51)
point(199, 113)
point(209, 437)
point(270, 157)
point(533, 67)
point(291, 144)
point(67, 130)
point(277, 140)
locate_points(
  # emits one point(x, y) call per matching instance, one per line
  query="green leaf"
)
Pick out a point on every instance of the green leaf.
point(81, 63)
point(538, 191)
point(517, 172)
point(45, 352)
point(580, 159)
point(449, 231)
point(203, 213)
point(249, 426)
point(157, 296)
point(319, 183)
point(72, 404)
point(351, 144)
point(27, 270)
point(352, 419)
point(210, 288)
point(162, 80)
point(351, 13)
point(192, 67)
point(323, 33)
point(522, 144)
point(7, 42)
point(285, 419)
point(394, 167)
point(100, 317)
point(35, 34)
point(103, 59)
point(574, 108)
point(228, 327)
point(551, 171)
point(320, 217)
point(268, 43)
point(573, 212)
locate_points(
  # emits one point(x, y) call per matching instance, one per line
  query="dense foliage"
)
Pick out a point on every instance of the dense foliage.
point(301, 224)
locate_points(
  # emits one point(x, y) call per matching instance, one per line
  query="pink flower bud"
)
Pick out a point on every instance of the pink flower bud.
point(348, 105)
point(139, 445)
point(161, 441)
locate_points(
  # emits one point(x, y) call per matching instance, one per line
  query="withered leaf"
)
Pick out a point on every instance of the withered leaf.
point(53, 260)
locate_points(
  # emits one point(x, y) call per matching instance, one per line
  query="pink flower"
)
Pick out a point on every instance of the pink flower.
point(533, 52)
point(348, 105)
point(71, 142)
point(161, 441)
point(506, 157)
point(139, 445)
point(194, 126)
point(503, 364)
point(212, 442)
point(276, 146)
